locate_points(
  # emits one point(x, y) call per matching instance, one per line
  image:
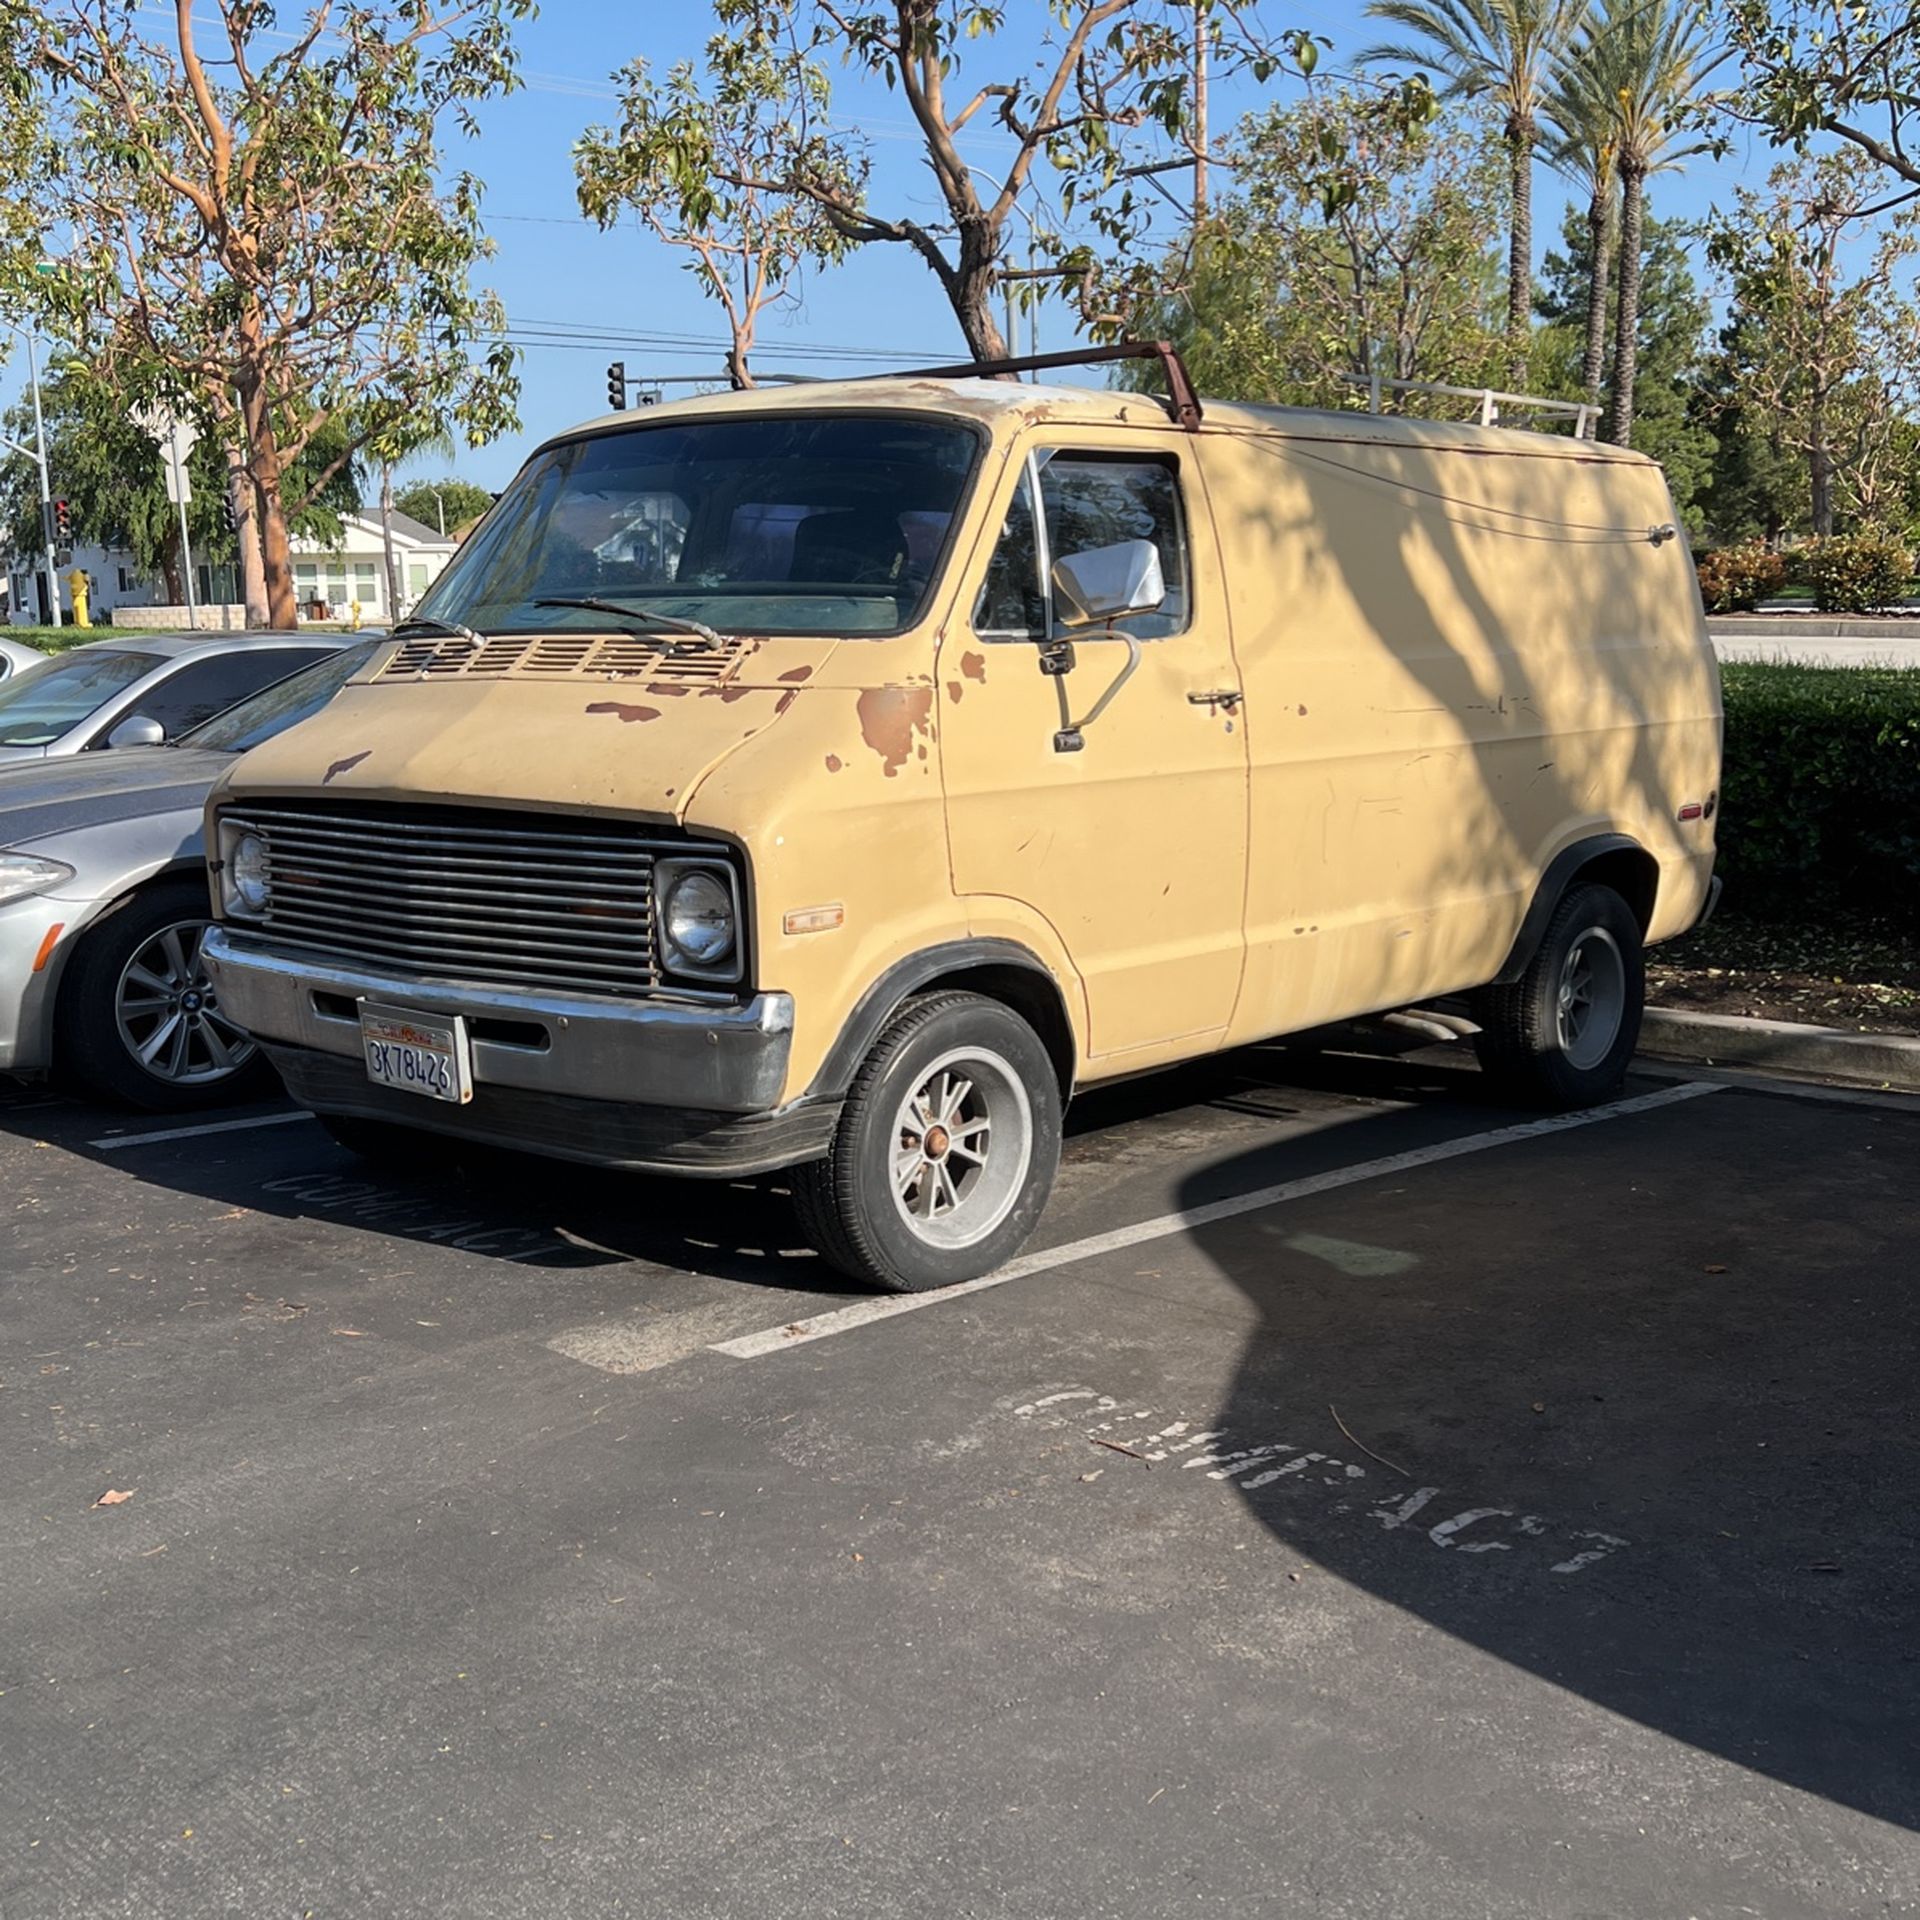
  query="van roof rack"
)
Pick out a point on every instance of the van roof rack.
point(1182, 402)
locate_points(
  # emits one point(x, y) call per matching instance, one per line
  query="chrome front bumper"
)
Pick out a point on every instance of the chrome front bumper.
point(712, 1058)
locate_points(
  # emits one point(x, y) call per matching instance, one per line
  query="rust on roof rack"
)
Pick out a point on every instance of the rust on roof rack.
point(1182, 402)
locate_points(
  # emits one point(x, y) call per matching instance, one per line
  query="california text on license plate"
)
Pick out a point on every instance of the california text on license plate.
point(416, 1052)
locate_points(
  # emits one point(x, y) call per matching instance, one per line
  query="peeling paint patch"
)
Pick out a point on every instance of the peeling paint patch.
point(954, 691)
point(834, 763)
point(974, 665)
point(627, 714)
point(794, 675)
point(889, 718)
point(728, 695)
point(344, 766)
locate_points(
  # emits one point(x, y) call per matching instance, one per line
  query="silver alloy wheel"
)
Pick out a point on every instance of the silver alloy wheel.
point(1592, 1002)
point(962, 1147)
point(169, 1016)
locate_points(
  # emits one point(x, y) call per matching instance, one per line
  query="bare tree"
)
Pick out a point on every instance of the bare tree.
point(260, 227)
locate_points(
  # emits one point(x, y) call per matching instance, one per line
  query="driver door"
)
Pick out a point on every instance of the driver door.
point(1133, 845)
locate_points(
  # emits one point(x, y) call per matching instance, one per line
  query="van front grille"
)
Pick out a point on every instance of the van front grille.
point(462, 894)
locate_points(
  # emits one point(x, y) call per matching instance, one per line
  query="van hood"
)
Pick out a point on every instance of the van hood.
point(617, 744)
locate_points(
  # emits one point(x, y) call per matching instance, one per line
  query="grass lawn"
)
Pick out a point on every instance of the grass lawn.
point(53, 639)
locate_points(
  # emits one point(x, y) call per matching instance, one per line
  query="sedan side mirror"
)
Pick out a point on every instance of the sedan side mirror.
point(1107, 583)
point(137, 730)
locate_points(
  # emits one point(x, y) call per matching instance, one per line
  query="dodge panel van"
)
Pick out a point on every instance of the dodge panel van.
point(837, 778)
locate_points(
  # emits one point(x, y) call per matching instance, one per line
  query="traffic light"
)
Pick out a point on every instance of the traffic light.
point(231, 509)
point(57, 519)
point(617, 386)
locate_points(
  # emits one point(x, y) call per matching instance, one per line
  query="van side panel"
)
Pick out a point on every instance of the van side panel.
point(1457, 663)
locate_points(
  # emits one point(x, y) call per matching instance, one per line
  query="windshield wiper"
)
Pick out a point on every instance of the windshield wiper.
point(671, 621)
point(426, 623)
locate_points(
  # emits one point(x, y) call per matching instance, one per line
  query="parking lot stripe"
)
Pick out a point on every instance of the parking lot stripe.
point(755, 1346)
point(114, 1142)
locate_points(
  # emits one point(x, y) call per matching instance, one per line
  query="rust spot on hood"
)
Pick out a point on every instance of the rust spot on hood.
point(727, 695)
point(344, 766)
point(834, 763)
point(669, 691)
point(889, 718)
point(797, 674)
point(626, 713)
point(974, 665)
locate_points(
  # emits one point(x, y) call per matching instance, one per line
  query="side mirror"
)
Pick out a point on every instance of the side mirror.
point(1107, 583)
point(137, 730)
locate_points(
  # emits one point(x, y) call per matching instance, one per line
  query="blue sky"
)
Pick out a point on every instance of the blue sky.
point(554, 267)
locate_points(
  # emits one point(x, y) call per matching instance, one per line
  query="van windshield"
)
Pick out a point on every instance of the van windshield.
point(800, 524)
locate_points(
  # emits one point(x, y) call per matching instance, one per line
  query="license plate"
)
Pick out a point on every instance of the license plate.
point(416, 1052)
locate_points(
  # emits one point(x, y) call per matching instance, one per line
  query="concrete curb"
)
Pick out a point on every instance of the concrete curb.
point(1888, 1060)
point(1788, 627)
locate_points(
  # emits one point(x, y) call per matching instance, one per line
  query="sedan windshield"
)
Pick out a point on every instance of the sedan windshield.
point(37, 708)
point(813, 523)
point(284, 704)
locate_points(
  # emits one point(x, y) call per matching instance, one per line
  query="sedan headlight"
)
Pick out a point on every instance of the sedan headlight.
point(699, 921)
point(24, 874)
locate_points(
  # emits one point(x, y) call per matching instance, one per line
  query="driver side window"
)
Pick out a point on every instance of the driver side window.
point(1087, 500)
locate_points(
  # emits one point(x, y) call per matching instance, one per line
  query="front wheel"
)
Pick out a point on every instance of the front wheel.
point(945, 1151)
point(139, 1019)
point(1562, 1034)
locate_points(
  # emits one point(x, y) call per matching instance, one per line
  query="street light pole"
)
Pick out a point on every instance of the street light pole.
point(46, 490)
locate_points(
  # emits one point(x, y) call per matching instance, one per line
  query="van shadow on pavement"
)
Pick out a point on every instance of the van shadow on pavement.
point(1696, 1338)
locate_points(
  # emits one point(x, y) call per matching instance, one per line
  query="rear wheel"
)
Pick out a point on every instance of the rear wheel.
point(139, 1019)
point(945, 1152)
point(1561, 1036)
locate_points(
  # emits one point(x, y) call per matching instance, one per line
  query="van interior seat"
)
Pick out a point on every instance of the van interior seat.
point(852, 548)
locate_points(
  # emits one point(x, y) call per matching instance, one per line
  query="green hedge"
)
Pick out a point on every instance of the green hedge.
point(1820, 811)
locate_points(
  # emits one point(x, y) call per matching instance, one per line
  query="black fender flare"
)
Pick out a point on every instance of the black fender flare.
point(876, 1006)
point(1552, 889)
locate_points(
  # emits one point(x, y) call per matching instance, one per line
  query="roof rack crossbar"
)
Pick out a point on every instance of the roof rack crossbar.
point(1182, 402)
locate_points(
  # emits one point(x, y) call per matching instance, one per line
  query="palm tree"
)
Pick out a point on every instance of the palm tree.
point(1647, 58)
point(1582, 115)
point(1505, 52)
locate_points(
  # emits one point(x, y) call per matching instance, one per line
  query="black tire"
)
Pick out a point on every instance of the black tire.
point(105, 1019)
point(1527, 1050)
point(851, 1205)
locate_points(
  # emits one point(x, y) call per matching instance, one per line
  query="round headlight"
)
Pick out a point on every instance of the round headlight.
point(247, 873)
point(699, 919)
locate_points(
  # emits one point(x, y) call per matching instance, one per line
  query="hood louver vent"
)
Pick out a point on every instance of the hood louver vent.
point(564, 656)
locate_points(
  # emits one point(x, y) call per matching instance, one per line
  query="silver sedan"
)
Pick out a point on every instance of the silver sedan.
point(16, 657)
point(137, 690)
point(103, 902)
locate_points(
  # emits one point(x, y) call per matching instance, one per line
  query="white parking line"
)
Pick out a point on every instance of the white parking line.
point(755, 1346)
point(114, 1142)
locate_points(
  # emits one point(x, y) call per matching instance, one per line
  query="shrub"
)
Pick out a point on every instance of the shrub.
point(1737, 579)
point(1857, 572)
point(1820, 806)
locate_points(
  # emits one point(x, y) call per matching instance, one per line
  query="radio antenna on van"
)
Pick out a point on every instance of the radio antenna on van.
point(1181, 400)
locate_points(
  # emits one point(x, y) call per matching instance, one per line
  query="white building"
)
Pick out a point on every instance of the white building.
point(352, 571)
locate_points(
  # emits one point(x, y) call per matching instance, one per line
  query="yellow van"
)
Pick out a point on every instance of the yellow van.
point(838, 777)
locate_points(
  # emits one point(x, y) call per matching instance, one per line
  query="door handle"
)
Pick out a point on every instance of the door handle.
point(1228, 697)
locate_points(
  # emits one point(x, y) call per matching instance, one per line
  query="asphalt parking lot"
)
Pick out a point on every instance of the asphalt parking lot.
point(1366, 1502)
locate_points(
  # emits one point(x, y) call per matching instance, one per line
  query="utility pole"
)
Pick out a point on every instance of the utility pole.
point(37, 453)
